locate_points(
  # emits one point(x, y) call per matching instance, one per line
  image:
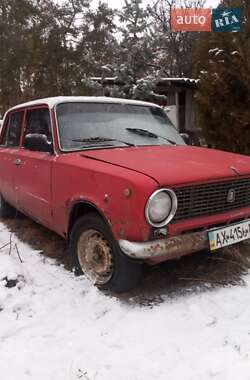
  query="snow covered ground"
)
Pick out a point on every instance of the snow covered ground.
point(54, 326)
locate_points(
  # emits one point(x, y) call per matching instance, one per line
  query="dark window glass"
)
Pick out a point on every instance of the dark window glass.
point(38, 121)
point(14, 130)
point(4, 131)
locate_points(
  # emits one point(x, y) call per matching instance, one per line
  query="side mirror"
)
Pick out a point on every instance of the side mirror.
point(186, 138)
point(38, 142)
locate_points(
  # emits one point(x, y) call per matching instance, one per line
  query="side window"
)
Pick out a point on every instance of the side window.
point(38, 122)
point(14, 130)
point(4, 131)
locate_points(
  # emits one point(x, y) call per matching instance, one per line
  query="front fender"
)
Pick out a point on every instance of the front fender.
point(118, 194)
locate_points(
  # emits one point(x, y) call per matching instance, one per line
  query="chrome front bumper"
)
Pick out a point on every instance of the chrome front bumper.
point(169, 248)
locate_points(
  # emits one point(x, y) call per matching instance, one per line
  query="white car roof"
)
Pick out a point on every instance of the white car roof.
point(51, 102)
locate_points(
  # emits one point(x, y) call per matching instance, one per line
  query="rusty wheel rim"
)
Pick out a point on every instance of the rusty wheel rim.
point(95, 257)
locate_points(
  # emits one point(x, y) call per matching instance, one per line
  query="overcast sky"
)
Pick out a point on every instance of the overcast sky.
point(119, 3)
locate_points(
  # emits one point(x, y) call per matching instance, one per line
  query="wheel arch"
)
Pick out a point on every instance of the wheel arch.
point(81, 208)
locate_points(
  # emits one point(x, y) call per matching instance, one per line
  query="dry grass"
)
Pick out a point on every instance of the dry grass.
point(193, 273)
point(39, 238)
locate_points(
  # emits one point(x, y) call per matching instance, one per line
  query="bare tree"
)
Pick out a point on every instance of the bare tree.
point(172, 50)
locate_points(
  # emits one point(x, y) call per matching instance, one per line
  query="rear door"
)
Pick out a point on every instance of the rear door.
point(9, 148)
point(34, 172)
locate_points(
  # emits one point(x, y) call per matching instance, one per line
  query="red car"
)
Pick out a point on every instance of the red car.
point(114, 177)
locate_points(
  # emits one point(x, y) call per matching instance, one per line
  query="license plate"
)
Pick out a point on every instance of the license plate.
point(223, 237)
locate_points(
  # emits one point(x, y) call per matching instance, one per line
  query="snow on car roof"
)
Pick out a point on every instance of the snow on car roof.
point(51, 102)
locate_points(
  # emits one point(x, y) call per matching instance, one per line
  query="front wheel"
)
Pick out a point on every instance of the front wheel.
point(96, 254)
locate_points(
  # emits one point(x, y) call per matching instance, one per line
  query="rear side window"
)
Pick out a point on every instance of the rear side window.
point(4, 131)
point(14, 130)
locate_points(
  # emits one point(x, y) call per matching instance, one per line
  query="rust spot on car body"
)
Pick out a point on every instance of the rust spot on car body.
point(169, 248)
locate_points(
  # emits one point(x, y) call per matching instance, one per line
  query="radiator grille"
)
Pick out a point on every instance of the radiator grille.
point(212, 198)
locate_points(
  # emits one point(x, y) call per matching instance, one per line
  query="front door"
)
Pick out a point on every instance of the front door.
point(34, 172)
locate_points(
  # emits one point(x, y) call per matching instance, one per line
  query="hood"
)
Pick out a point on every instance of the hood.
point(174, 165)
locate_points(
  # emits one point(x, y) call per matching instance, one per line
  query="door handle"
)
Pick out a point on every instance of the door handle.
point(17, 162)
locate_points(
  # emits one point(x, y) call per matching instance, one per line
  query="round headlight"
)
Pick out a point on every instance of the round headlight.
point(161, 207)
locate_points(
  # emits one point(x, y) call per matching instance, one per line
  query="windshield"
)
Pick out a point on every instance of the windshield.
point(99, 125)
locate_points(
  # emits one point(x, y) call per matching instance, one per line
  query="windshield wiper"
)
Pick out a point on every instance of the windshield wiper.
point(145, 132)
point(100, 139)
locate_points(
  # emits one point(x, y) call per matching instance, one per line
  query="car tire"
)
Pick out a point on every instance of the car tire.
point(95, 252)
point(6, 210)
